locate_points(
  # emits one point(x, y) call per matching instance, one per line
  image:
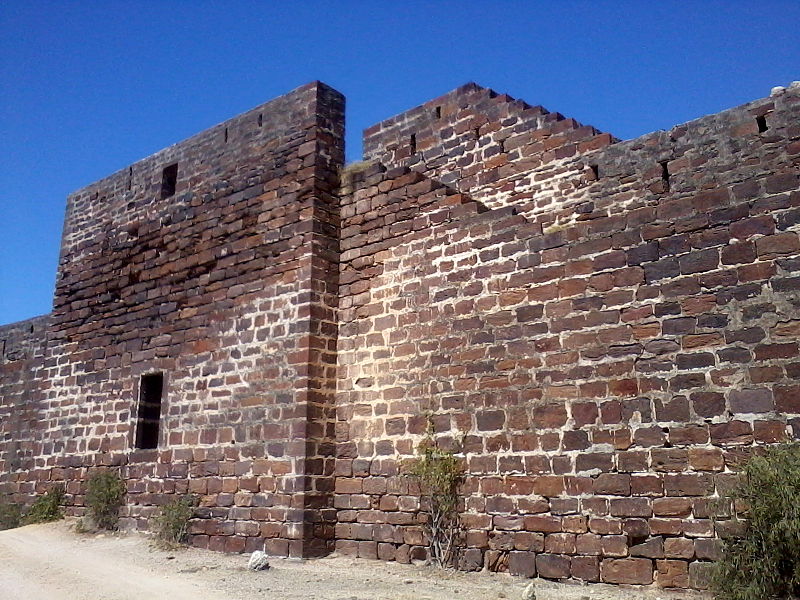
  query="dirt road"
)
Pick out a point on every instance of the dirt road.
point(47, 562)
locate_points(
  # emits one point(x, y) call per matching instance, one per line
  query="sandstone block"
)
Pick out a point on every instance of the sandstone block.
point(637, 571)
point(553, 566)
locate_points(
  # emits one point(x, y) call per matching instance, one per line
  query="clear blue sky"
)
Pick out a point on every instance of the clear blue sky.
point(90, 87)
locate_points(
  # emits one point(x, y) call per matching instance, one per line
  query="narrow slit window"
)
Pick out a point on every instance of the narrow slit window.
point(148, 416)
point(169, 180)
point(665, 175)
point(260, 119)
point(413, 143)
point(226, 135)
point(438, 112)
point(595, 171)
point(762, 124)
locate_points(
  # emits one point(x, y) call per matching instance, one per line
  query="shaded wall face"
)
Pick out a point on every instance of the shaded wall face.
point(207, 279)
point(601, 367)
point(22, 350)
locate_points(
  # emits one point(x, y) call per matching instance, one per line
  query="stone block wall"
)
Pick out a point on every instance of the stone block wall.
point(225, 281)
point(600, 329)
point(22, 350)
point(602, 347)
point(489, 145)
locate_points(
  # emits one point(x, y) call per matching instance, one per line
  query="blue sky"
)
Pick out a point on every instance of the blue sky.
point(90, 87)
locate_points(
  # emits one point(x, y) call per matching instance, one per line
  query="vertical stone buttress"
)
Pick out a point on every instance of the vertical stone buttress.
point(323, 293)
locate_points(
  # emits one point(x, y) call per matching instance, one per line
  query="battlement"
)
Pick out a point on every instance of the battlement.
point(219, 161)
point(468, 137)
point(600, 329)
point(23, 340)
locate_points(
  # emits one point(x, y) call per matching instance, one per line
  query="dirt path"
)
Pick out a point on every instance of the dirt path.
point(43, 562)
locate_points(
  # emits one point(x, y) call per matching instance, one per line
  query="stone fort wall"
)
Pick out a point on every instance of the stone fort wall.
point(602, 329)
point(226, 285)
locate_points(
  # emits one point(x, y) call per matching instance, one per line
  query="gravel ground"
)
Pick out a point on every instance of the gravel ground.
point(51, 561)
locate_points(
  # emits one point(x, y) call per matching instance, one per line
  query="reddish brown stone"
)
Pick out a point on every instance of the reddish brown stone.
point(739, 253)
point(787, 398)
point(553, 566)
point(733, 432)
point(761, 225)
point(560, 543)
point(672, 573)
point(585, 568)
point(647, 485)
point(678, 548)
point(549, 415)
point(672, 507)
point(605, 525)
point(778, 244)
point(588, 544)
point(546, 524)
point(522, 563)
point(584, 413)
point(588, 354)
point(638, 571)
point(612, 483)
point(706, 459)
point(688, 484)
point(707, 404)
point(769, 432)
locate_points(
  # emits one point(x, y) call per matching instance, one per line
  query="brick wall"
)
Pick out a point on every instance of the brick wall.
point(600, 329)
point(228, 288)
point(497, 149)
point(22, 350)
point(601, 347)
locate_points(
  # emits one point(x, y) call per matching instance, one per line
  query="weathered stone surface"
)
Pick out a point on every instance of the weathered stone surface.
point(627, 570)
point(599, 329)
point(522, 563)
point(196, 263)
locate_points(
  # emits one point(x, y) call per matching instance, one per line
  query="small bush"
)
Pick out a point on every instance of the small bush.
point(10, 515)
point(761, 560)
point(439, 474)
point(46, 507)
point(171, 525)
point(105, 494)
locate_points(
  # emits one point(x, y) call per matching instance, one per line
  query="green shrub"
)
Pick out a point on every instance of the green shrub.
point(761, 560)
point(105, 494)
point(171, 524)
point(46, 507)
point(10, 515)
point(439, 474)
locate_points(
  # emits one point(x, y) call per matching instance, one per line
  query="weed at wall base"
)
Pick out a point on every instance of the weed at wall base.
point(46, 507)
point(171, 524)
point(761, 560)
point(439, 474)
point(10, 515)
point(105, 494)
